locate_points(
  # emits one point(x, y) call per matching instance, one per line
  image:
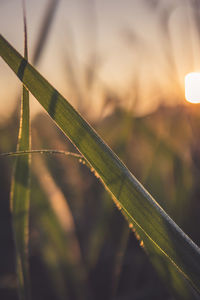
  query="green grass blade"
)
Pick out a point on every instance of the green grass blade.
point(134, 200)
point(20, 193)
point(20, 202)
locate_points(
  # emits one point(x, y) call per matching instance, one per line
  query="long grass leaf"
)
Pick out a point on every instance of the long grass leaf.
point(20, 193)
point(177, 248)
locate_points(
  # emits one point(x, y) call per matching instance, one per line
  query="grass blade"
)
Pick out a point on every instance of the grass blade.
point(42, 151)
point(156, 226)
point(20, 192)
point(45, 28)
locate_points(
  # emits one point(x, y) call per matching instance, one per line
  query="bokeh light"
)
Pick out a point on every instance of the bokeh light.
point(192, 87)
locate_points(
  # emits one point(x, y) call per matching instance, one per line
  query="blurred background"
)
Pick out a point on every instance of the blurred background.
point(122, 65)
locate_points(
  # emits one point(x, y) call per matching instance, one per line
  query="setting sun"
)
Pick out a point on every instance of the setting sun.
point(192, 87)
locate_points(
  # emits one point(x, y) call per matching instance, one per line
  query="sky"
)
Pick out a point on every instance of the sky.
point(135, 52)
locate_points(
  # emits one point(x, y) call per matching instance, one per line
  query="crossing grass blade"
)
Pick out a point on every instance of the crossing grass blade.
point(137, 204)
point(20, 193)
point(42, 151)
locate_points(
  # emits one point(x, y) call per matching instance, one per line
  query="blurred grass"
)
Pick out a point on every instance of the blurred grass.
point(156, 229)
point(95, 223)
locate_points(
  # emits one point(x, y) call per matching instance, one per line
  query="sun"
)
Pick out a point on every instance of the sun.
point(192, 87)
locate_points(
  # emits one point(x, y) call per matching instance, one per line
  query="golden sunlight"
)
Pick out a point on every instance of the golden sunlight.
point(192, 87)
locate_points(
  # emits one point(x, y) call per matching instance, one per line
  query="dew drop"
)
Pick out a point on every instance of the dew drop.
point(82, 161)
point(119, 206)
point(137, 236)
point(141, 244)
point(131, 227)
point(117, 203)
point(96, 175)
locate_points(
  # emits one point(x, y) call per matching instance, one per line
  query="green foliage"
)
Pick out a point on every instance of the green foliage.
point(163, 239)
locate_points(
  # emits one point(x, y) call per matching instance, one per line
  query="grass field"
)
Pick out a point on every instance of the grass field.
point(84, 227)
